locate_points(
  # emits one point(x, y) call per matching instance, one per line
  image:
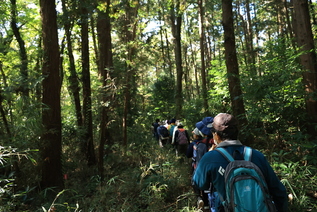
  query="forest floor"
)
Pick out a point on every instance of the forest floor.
point(142, 177)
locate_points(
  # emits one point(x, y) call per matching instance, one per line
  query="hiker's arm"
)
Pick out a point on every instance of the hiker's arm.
point(187, 136)
point(189, 152)
point(202, 177)
point(278, 191)
point(276, 188)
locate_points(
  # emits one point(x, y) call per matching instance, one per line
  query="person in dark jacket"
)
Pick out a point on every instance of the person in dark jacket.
point(211, 168)
point(195, 153)
point(197, 137)
point(155, 126)
point(163, 134)
point(180, 140)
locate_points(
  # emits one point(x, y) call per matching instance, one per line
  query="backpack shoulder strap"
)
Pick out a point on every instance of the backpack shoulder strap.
point(225, 154)
point(247, 153)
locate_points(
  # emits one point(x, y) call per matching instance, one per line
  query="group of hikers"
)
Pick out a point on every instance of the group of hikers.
point(226, 175)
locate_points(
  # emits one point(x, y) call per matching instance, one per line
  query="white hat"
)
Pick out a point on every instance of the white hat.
point(180, 124)
point(196, 131)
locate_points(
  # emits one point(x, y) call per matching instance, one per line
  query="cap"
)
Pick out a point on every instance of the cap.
point(205, 125)
point(223, 122)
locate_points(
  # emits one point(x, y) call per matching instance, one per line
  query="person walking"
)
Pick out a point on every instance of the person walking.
point(211, 169)
point(155, 126)
point(180, 140)
point(195, 152)
point(163, 134)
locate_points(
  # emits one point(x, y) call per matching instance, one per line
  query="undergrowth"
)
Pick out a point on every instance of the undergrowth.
point(145, 177)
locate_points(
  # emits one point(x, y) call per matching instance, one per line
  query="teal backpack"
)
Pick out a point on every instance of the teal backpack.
point(246, 188)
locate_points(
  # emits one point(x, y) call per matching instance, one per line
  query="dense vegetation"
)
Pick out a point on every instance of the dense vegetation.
point(79, 91)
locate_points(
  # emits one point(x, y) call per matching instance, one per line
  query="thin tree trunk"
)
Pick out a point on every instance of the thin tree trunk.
point(170, 65)
point(24, 88)
point(289, 29)
point(87, 113)
point(51, 114)
point(37, 69)
point(3, 114)
point(249, 40)
point(94, 39)
point(232, 65)
point(162, 45)
point(202, 55)
point(197, 88)
point(176, 22)
point(105, 67)
point(130, 83)
point(73, 78)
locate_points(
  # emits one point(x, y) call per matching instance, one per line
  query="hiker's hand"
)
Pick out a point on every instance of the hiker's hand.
point(213, 147)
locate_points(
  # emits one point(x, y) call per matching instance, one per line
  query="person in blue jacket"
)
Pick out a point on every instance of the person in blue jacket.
point(211, 168)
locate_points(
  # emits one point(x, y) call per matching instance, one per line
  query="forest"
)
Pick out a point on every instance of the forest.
point(82, 81)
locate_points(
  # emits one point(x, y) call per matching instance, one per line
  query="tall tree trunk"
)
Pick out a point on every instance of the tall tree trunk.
point(289, 28)
point(232, 65)
point(164, 57)
point(87, 113)
point(170, 65)
point(24, 88)
point(193, 58)
point(105, 68)
point(94, 40)
point(249, 40)
point(130, 82)
point(305, 41)
point(51, 114)
point(2, 111)
point(176, 23)
point(202, 55)
point(73, 78)
point(281, 22)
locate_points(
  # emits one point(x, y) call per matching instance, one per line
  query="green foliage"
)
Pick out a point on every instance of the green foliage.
point(142, 177)
point(162, 98)
point(148, 178)
point(274, 98)
point(295, 175)
point(13, 195)
point(61, 206)
point(219, 95)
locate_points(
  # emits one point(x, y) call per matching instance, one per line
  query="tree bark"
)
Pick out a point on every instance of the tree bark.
point(232, 65)
point(88, 147)
point(249, 40)
point(2, 111)
point(24, 88)
point(105, 68)
point(202, 55)
point(305, 42)
point(176, 23)
point(130, 82)
point(168, 55)
point(73, 78)
point(51, 114)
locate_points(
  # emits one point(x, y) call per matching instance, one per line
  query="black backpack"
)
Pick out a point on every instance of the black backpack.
point(163, 131)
